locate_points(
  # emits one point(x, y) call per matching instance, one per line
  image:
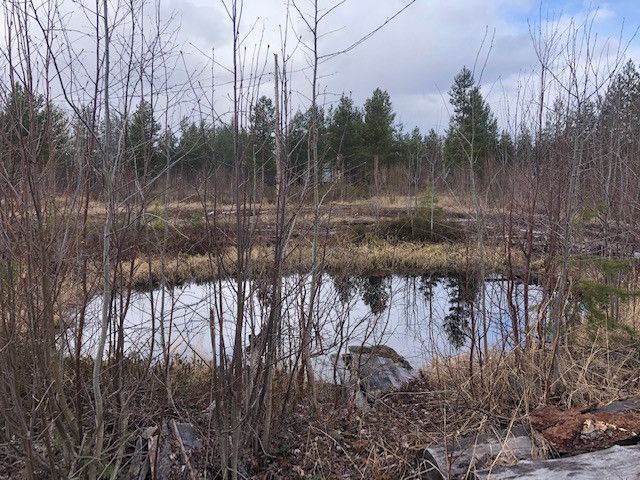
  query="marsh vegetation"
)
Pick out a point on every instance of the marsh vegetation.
point(163, 264)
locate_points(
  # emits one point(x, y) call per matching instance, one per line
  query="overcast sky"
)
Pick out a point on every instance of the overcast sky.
point(414, 57)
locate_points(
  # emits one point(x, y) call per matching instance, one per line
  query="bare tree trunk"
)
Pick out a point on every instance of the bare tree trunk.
point(108, 171)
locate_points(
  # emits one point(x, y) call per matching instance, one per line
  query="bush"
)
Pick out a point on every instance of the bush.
point(594, 300)
point(428, 207)
point(428, 224)
point(158, 224)
point(418, 229)
point(409, 228)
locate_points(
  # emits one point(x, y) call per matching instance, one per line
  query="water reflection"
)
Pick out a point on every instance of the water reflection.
point(419, 316)
point(464, 290)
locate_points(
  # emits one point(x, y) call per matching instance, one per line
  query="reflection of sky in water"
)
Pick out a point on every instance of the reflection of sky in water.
point(405, 313)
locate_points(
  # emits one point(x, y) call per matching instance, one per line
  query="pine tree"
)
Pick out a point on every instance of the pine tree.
point(28, 120)
point(343, 131)
point(261, 134)
point(168, 147)
point(415, 153)
point(143, 140)
point(433, 147)
point(620, 112)
point(377, 131)
point(298, 144)
point(222, 145)
point(472, 134)
point(505, 149)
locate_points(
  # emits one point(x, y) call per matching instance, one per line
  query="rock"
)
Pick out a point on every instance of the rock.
point(148, 432)
point(381, 351)
point(191, 439)
point(139, 468)
point(373, 371)
point(428, 468)
point(617, 462)
point(360, 399)
point(619, 406)
point(503, 456)
point(458, 457)
point(160, 456)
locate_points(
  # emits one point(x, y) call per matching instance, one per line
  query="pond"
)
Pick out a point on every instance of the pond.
point(421, 317)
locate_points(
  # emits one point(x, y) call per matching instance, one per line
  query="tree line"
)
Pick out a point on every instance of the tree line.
point(355, 143)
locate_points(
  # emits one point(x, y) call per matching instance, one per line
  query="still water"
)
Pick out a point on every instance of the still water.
point(419, 316)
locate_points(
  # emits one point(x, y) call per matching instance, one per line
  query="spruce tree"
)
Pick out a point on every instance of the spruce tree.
point(261, 134)
point(343, 131)
point(195, 147)
point(297, 146)
point(143, 140)
point(472, 134)
point(620, 113)
point(505, 149)
point(377, 131)
point(524, 147)
point(29, 123)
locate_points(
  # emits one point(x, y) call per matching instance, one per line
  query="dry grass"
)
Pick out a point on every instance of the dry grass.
point(592, 369)
point(389, 256)
point(376, 257)
point(372, 205)
point(448, 401)
point(449, 202)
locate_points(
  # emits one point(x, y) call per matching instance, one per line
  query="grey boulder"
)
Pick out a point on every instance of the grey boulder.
point(619, 462)
point(373, 371)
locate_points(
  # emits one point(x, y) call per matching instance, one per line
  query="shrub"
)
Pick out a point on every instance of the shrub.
point(158, 224)
point(419, 229)
point(428, 224)
point(428, 207)
point(594, 300)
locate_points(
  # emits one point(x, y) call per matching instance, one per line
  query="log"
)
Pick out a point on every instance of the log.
point(621, 463)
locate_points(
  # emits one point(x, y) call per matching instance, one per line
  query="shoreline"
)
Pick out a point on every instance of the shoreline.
point(372, 258)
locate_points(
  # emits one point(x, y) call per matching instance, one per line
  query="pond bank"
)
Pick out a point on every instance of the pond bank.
point(381, 257)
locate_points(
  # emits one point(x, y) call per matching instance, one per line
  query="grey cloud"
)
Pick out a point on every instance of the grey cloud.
point(203, 23)
point(414, 57)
